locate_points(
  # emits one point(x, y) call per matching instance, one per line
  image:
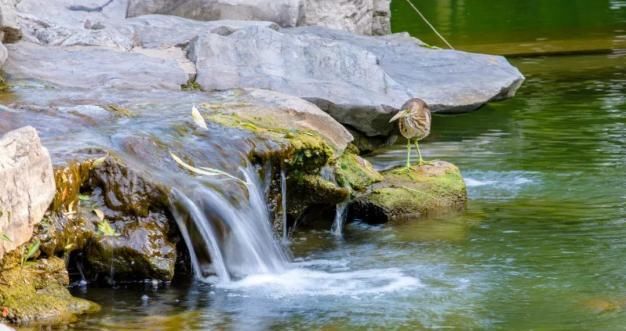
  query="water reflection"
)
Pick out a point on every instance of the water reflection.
point(518, 27)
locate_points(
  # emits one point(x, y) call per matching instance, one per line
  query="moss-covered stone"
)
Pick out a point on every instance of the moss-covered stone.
point(36, 293)
point(136, 207)
point(140, 249)
point(355, 172)
point(412, 193)
point(302, 151)
point(69, 179)
point(308, 190)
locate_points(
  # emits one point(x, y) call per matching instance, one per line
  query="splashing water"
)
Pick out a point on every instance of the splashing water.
point(341, 212)
point(283, 203)
point(227, 240)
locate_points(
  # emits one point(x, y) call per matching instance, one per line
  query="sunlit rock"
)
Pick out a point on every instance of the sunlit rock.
point(412, 194)
point(26, 186)
point(36, 293)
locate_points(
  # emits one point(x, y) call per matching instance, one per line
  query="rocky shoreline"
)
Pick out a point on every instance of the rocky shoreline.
point(109, 94)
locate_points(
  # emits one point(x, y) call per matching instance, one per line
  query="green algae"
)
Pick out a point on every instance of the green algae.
point(120, 111)
point(36, 293)
point(414, 193)
point(304, 151)
point(355, 172)
point(191, 85)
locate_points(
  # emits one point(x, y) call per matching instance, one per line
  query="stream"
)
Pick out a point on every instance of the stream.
point(541, 245)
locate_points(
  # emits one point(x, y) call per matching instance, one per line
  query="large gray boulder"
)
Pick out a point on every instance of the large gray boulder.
point(332, 74)
point(165, 31)
point(88, 67)
point(360, 81)
point(26, 186)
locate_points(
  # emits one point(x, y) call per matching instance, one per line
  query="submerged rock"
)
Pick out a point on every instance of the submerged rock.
point(35, 293)
point(411, 194)
point(26, 186)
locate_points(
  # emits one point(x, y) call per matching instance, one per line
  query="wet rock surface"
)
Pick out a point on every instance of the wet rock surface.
point(413, 193)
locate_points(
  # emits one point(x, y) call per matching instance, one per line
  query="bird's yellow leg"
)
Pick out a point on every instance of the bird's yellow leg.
point(419, 153)
point(408, 153)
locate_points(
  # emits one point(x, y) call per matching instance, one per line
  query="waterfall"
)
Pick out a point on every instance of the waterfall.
point(341, 213)
point(283, 203)
point(226, 239)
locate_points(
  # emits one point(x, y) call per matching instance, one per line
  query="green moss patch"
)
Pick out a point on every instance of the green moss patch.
point(35, 293)
point(355, 172)
point(413, 193)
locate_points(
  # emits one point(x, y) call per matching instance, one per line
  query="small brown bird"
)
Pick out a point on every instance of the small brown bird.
point(414, 123)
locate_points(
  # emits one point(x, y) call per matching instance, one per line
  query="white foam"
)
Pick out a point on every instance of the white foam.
point(471, 182)
point(306, 282)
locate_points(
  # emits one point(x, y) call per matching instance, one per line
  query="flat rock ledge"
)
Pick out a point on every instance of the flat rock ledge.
point(407, 194)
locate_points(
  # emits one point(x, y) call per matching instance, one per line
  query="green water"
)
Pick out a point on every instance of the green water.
point(517, 27)
point(541, 247)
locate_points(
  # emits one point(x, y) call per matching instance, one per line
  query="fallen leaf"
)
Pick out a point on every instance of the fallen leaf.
point(99, 213)
point(197, 118)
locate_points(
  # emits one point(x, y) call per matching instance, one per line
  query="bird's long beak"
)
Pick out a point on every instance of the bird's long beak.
point(398, 115)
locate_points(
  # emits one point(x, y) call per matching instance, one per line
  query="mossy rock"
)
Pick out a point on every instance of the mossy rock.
point(356, 172)
point(139, 249)
point(36, 293)
point(412, 194)
point(304, 151)
point(135, 207)
point(307, 190)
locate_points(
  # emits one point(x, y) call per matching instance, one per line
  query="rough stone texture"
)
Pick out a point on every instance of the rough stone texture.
point(408, 194)
point(36, 293)
point(283, 112)
point(368, 17)
point(163, 31)
point(70, 22)
point(132, 206)
point(86, 67)
point(332, 74)
point(356, 172)
point(358, 80)
point(381, 24)
point(141, 250)
point(358, 16)
point(449, 81)
point(287, 13)
point(26, 186)
point(8, 22)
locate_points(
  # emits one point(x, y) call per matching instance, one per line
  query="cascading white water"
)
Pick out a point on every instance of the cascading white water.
point(237, 238)
point(341, 213)
point(283, 203)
